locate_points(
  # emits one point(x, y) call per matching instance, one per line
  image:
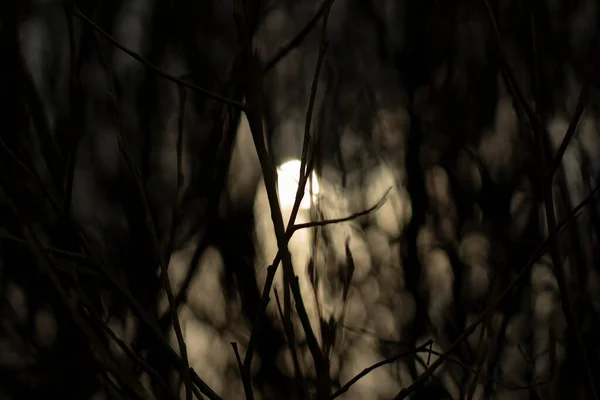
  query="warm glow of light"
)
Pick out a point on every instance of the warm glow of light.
point(287, 183)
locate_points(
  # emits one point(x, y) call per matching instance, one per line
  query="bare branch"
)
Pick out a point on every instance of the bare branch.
point(381, 363)
point(298, 39)
point(154, 68)
point(351, 217)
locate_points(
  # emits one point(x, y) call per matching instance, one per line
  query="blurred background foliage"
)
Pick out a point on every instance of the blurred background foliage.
point(109, 168)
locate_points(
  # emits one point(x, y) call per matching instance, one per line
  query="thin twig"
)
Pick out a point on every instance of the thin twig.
point(236, 352)
point(132, 354)
point(48, 249)
point(179, 174)
point(313, 224)
point(171, 244)
point(51, 195)
point(381, 363)
point(289, 330)
point(154, 68)
point(298, 39)
point(306, 167)
point(582, 101)
point(430, 352)
point(510, 78)
point(76, 106)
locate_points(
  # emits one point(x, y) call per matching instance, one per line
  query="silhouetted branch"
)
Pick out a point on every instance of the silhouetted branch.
point(381, 363)
point(299, 38)
point(154, 68)
point(254, 112)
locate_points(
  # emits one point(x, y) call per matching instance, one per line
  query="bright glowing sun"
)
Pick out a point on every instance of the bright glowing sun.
point(288, 175)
